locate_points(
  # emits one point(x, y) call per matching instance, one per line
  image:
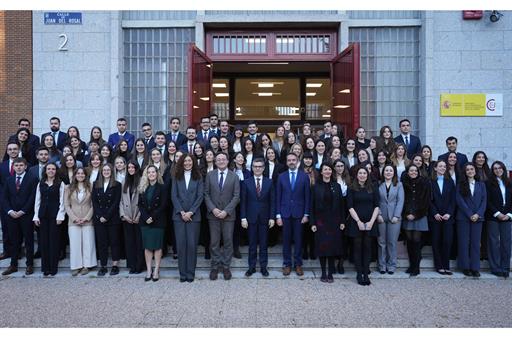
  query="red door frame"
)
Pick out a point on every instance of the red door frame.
point(351, 53)
point(193, 53)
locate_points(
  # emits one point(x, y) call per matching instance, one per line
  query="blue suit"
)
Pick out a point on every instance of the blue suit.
point(414, 146)
point(442, 232)
point(114, 138)
point(200, 137)
point(469, 233)
point(461, 159)
point(4, 174)
point(180, 139)
point(257, 209)
point(292, 205)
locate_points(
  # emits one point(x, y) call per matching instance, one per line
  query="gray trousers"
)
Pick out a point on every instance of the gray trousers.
point(218, 229)
point(499, 245)
point(187, 239)
point(387, 240)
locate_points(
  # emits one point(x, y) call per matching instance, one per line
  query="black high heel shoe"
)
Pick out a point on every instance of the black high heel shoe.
point(360, 279)
point(155, 279)
point(366, 280)
point(146, 279)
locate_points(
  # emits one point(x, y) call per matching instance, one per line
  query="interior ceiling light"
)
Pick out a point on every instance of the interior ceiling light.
point(205, 99)
point(221, 94)
point(219, 85)
point(344, 91)
point(314, 85)
point(310, 94)
point(267, 94)
point(271, 63)
point(341, 106)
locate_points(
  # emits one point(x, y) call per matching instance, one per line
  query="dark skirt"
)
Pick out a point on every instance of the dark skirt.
point(152, 237)
point(328, 238)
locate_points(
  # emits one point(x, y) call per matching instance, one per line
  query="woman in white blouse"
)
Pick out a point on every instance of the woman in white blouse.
point(399, 159)
point(95, 161)
point(120, 166)
point(78, 205)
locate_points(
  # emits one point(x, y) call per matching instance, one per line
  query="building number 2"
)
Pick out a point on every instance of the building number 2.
point(63, 42)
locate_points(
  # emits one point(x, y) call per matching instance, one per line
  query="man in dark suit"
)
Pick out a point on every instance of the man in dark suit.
point(451, 144)
point(147, 132)
point(160, 142)
point(6, 171)
point(188, 146)
point(18, 203)
point(221, 196)
point(257, 212)
point(411, 142)
point(204, 134)
point(327, 135)
point(59, 138)
point(253, 135)
point(122, 126)
point(224, 130)
point(214, 125)
point(175, 135)
point(293, 198)
point(33, 139)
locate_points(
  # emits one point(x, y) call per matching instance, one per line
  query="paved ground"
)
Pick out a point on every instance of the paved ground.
point(125, 301)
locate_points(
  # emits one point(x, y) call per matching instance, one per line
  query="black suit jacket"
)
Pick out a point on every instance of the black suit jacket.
point(180, 139)
point(106, 204)
point(278, 169)
point(5, 172)
point(154, 208)
point(495, 200)
point(461, 159)
point(257, 208)
point(442, 203)
point(22, 199)
point(414, 145)
point(62, 139)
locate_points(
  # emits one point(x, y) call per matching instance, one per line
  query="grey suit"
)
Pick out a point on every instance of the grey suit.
point(226, 199)
point(187, 233)
point(390, 205)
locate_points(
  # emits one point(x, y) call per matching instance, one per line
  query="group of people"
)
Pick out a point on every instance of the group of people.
point(322, 194)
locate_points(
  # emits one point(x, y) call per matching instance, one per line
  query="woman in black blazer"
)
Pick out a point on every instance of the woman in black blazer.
point(106, 197)
point(499, 219)
point(152, 204)
point(272, 166)
point(442, 216)
point(363, 206)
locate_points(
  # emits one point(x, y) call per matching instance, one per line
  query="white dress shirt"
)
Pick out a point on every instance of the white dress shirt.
point(472, 187)
point(187, 175)
point(271, 167)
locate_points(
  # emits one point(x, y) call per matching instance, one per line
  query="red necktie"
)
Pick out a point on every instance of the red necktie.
point(258, 187)
point(12, 168)
point(190, 149)
point(18, 183)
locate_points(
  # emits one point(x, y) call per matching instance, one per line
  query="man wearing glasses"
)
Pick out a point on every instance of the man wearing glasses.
point(257, 211)
point(149, 140)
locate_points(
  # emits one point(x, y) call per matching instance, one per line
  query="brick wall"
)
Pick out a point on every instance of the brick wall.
point(15, 71)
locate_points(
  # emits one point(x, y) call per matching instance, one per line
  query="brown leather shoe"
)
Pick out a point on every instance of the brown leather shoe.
point(214, 273)
point(10, 270)
point(227, 274)
point(4, 256)
point(286, 271)
point(299, 270)
point(29, 270)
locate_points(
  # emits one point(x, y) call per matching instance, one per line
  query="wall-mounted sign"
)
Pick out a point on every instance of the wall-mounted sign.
point(471, 105)
point(62, 18)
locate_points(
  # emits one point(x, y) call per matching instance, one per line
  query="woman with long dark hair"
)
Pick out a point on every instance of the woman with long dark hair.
point(482, 166)
point(342, 176)
point(106, 197)
point(140, 153)
point(187, 196)
point(499, 220)
point(327, 220)
point(363, 206)
point(97, 135)
point(387, 142)
point(130, 215)
point(49, 213)
point(471, 197)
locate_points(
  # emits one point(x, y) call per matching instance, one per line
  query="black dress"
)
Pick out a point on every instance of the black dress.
point(327, 213)
point(364, 203)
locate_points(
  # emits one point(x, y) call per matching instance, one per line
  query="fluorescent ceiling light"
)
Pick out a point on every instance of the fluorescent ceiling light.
point(209, 65)
point(265, 94)
point(219, 85)
point(314, 85)
point(341, 106)
point(239, 114)
point(328, 111)
point(310, 94)
point(205, 99)
point(326, 116)
point(195, 107)
point(221, 94)
point(344, 91)
point(271, 63)
point(265, 85)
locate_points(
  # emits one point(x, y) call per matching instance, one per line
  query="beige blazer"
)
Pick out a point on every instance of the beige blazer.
point(129, 206)
point(75, 209)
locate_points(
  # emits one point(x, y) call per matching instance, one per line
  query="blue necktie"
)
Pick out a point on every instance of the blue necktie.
point(293, 180)
point(407, 141)
point(221, 182)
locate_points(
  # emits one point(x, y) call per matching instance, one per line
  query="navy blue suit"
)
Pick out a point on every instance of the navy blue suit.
point(461, 159)
point(150, 144)
point(180, 139)
point(62, 139)
point(114, 138)
point(258, 210)
point(442, 232)
point(414, 146)
point(200, 137)
point(4, 174)
point(22, 227)
point(292, 205)
point(184, 147)
point(469, 233)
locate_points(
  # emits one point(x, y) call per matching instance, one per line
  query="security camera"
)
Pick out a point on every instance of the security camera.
point(495, 16)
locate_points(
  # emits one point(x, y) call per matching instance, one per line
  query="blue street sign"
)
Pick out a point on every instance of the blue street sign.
point(62, 18)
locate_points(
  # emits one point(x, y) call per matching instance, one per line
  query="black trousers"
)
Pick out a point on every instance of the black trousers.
point(442, 239)
point(362, 252)
point(64, 236)
point(327, 261)
point(50, 244)
point(133, 245)
point(108, 235)
point(20, 229)
point(204, 233)
point(5, 232)
point(308, 242)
